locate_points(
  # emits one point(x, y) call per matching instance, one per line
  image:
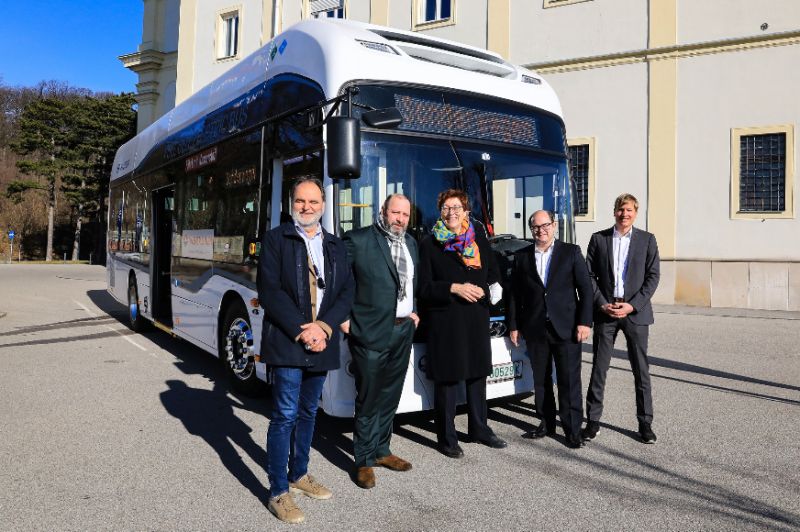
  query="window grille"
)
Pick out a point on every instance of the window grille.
point(579, 170)
point(762, 173)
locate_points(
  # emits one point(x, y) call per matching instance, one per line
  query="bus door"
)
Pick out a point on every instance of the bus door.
point(161, 263)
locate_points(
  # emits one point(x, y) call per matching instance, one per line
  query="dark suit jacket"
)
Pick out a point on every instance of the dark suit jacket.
point(283, 291)
point(641, 278)
point(566, 300)
point(377, 281)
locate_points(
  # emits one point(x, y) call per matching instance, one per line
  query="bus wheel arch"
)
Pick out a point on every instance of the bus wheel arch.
point(138, 323)
point(235, 345)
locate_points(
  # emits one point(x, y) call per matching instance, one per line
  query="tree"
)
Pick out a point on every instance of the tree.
point(100, 125)
point(43, 139)
point(68, 144)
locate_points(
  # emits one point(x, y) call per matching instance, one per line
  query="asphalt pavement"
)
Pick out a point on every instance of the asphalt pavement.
point(104, 429)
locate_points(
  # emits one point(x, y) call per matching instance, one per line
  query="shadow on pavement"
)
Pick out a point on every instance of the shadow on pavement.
point(209, 414)
point(700, 370)
point(81, 322)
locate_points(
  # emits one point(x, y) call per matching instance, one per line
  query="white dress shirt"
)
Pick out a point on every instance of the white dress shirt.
point(543, 262)
point(622, 243)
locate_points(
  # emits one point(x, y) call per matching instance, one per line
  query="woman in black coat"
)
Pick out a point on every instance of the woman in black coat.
point(456, 267)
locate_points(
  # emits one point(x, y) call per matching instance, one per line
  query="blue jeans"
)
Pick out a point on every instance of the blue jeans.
point(295, 397)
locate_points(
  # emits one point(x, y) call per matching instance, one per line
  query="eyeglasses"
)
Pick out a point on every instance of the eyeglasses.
point(543, 227)
point(456, 209)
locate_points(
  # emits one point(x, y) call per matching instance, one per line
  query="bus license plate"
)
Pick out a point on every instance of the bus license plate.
point(505, 372)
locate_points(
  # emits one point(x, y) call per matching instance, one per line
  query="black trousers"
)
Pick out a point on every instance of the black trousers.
point(379, 377)
point(444, 401)
point(636, 337)
point(567, 357)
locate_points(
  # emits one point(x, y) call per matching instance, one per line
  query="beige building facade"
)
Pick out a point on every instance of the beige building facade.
point(688, 104)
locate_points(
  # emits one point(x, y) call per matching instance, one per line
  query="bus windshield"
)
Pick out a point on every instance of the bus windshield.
point(505, 184)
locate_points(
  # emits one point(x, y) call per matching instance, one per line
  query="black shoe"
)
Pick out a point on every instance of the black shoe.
point(493, 441)
point(540, 432)
point(574, 442)
point(592, 427)
point(451, 452)
point(646, 433)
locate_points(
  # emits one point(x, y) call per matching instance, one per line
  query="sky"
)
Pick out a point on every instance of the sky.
point(74, 41)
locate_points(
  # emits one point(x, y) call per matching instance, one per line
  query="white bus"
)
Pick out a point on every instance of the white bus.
point(370, 111)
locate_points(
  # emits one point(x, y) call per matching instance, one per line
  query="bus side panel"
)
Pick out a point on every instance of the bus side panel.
point(197, 309)
point(512, 375)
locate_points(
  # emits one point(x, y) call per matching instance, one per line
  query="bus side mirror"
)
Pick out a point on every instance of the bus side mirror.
point(344, 147)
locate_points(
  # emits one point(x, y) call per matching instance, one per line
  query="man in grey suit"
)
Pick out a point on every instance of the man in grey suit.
point(381, 328)
point(624, 265)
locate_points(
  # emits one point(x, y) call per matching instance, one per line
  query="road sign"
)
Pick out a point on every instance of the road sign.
point(11, 234)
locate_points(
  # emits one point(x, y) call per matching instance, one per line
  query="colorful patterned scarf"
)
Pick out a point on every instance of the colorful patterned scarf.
point(463, 243)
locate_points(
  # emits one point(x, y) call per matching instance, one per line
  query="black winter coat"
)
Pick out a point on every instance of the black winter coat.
point(458, 339)
point(283, 291)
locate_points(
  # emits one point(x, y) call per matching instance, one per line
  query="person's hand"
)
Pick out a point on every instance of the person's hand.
point(582, 333)
point(620, 310)
point(312, 336)
point(467, 291)
point(514, 337)
point(415, 318)
point(345, 327)
point(318, 347)
point(609, 309)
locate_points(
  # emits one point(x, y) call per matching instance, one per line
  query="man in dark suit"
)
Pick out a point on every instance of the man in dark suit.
point(381, 328)
point(551, 304)
point(624, 266)
point(306, 289)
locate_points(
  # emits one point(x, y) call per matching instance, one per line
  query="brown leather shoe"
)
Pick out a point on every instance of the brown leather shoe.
point(395, 463)
point(365, 478)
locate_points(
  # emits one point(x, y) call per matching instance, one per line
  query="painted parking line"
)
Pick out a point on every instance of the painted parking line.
point(126, 338)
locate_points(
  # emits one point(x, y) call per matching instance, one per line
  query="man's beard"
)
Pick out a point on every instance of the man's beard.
point(396, 230)
point(311, 223)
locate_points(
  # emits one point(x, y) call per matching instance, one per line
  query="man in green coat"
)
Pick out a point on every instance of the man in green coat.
point(381, 329)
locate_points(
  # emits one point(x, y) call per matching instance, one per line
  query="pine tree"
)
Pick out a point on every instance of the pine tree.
point(43, 138)
point(68, 145)
point(101, 126)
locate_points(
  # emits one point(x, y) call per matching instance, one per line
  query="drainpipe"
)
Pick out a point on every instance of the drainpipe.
point(275, 13)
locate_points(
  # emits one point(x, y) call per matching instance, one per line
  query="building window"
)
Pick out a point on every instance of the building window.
point(582, 155)
point(326, 8)
point(433, 13)
point(433, 10)
point(556, 3)
point(763, 167)
point(228, 35)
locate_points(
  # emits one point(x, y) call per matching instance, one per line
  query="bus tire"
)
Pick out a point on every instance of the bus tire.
point(236, 350)
point(138, 322)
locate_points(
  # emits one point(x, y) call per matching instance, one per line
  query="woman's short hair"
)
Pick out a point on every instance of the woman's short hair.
point(452, 193)
point(624, 198)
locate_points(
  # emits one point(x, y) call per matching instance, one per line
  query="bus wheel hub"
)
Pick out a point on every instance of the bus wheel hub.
point(239, 348)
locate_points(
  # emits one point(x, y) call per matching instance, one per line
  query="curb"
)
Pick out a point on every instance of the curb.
point(725, 312)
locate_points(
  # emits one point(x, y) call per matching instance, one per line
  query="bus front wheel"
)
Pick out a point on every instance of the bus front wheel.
point(137, 321)
point(236, 350)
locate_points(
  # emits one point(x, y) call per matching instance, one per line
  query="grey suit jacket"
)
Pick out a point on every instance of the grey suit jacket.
point(641, 278)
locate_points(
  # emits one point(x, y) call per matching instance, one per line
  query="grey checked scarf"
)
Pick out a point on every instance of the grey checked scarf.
point(396, 243)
